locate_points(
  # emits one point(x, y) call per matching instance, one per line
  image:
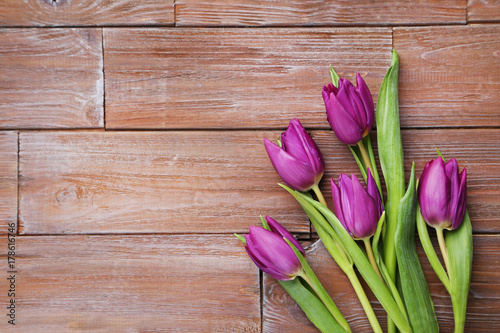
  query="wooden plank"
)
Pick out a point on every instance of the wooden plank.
point(318, 12)
point(133, 284)
point(483, 11)
point(281, 314)
point(8, 180)
point(232, 78)
point(86, 12)
point(140, 182)
point(51, 78)
point(483, 177)
point(143, 182)
point(450, 76)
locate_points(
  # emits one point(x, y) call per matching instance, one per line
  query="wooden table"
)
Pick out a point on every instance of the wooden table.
point(131, 151)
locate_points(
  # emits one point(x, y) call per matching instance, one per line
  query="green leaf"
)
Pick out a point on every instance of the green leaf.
point(368, 144)
point(335, 77)
point(358, 157)
point(241, 238)
point(362, 263)
point(459, 244)
point(314, 309)
point(390, 151)
point(376, 236)
point(316, 285)
point(423, 234)
point(440, 155)
point(341, 257)
point(359, 160)
point(264, 223)
point(415, 290)
point(320, 223)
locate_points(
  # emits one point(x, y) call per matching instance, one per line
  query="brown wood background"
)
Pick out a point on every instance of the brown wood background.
point(131, 150)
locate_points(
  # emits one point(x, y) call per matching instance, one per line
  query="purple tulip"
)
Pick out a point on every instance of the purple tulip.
point(298, 161)
point(349, 109)
point(358, 210)
point(271, 253)
point(442, 194)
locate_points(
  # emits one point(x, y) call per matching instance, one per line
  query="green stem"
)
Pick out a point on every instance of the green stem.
point(423, 234)
point(444, 250)
point(345, 264)
point(318, 193)
point(366, 159)
point(312, 280)
point(327, 301)
point(371, 257)
point(365, 303)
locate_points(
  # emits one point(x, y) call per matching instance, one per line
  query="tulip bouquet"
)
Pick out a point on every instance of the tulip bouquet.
point(364, 233)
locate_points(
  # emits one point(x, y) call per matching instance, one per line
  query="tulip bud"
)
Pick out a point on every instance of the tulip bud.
point(358, 210)
point(271, 253)
point(442, 194)
point(349, 109)
point(298, 160)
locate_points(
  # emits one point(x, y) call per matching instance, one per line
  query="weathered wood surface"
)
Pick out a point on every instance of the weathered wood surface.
point(133, 284)
point(318, 12)
point(450, 76)
point(51, 78)
point(192, 78)
point(137, 182)
point(86, 12)
point(8, 180)
point(281, 314)
point(232, 78)
point(143, 182)
point(483, 11)
point(131, 231)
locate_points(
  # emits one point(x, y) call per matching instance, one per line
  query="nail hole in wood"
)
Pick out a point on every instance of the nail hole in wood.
point(55, 3)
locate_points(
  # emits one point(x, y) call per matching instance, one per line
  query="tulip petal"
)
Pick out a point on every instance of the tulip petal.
point(365, 211)
point(434, 193)
point(451, 169)
point(292, 143)
point(373, 191)
point(330, 88)
point(273, 251)
point(357, 106)
point(280, 230)
point(458, 217)
point(299, 144)
point(265, 269)
point(366, 98)
point(346, 199)
point(345, 127)
point(337, 204)
point(294, 172)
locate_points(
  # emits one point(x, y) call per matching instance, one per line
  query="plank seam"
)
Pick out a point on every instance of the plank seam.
point(175, 25)
point(175, 13)
point(18, 177)
point(103, 81)
point(243, 129)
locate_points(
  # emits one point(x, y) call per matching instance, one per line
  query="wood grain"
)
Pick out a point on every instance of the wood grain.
point(318, 12)
point(449, 76)
point(483, 11)
point(140, 182)
point(8, 180)
point(51, 78)
point(143, 182)
point(134, 284)
point(86, 12)
point(232, 78)
point(281, 314)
